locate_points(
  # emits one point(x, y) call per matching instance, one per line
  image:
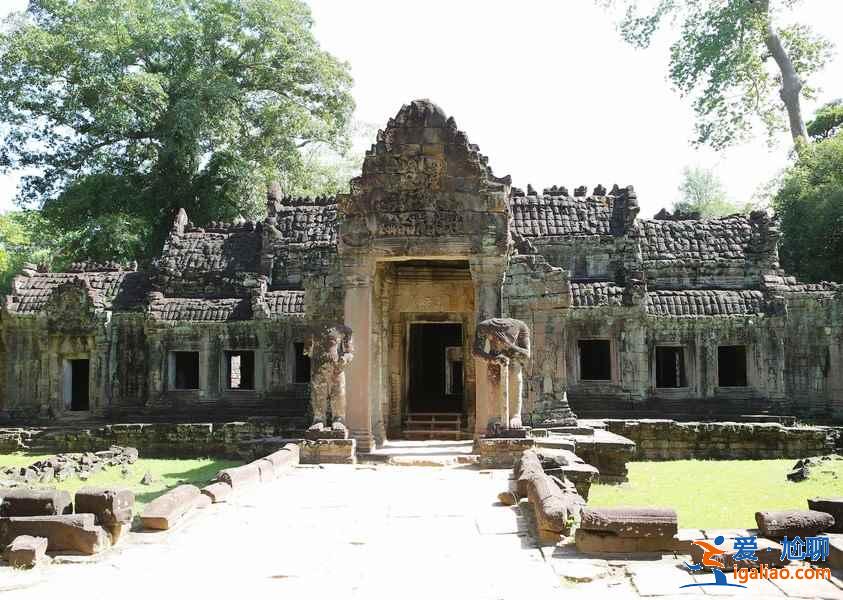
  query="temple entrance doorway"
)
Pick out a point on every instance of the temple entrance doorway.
point(77, 384)
point(435, 392)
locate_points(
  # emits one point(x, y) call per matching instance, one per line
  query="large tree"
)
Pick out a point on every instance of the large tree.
point(126, 110)
point(701, 191)
point(741, 66)
point(810, 203)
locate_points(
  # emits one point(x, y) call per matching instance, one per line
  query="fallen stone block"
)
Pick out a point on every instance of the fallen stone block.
point(780, 523)
point(238, 477)
point(552, 508)
point(832, 506)
point(25, 551)
point(113, 508)
point(23, 502)
point(631, 522)
point(285, 458)
point(266, 469)
point(769, 553)
point(78, 533)
point(527, 468)
point(217, 492)
point(202, 501)
point(167, 510)
point(602, 542)
point(835, 554)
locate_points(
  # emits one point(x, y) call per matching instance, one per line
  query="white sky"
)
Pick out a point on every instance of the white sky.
point(546, 89)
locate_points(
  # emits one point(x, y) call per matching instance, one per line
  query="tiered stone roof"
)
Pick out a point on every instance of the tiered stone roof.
point(538, 216)
point(704, 303)
point(694, 241)
point(110, 290)
point(602, 293)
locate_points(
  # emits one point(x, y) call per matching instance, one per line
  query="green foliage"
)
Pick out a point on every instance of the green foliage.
point(827, 122)
point(127, 110)
point(22, 240)
point(702, 191)
point(810, 205)
point(718, 493)
point(721, 60)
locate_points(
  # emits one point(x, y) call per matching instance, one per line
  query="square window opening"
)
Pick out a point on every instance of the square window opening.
point(731, 366)
point(185, 370)
point(670, 367)
point(595, 360)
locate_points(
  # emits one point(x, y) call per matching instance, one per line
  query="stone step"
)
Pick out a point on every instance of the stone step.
point(431, 434)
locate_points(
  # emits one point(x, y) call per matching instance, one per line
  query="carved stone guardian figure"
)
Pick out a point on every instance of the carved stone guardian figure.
point(509, 348)
point(330, 351)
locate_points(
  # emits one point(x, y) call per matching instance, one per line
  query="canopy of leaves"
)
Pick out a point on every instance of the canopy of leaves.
point(722, 62)
point(810, 204)
point(130, 109)
point(827, 122)
point(22, 240)
point(701, 191)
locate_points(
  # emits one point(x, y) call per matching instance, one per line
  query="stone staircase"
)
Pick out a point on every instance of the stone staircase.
point(433, 426)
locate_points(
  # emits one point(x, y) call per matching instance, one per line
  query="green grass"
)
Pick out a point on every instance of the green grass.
point(166, 473)
point(719, 494)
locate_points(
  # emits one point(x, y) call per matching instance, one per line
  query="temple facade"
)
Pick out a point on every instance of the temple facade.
point(669, 317)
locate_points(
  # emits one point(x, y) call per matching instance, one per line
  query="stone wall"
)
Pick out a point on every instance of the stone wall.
point(664, 439)
point(153, 440)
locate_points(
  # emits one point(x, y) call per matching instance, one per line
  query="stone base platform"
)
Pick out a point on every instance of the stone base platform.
point(501, 453)
point(326, 434)
point(607, 451)
point(337, 451)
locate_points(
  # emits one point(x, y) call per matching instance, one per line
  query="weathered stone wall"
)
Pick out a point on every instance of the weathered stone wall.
point(664, 439)
point(221, 440)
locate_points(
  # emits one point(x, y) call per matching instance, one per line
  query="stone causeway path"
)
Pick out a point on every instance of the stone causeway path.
point(367, 531)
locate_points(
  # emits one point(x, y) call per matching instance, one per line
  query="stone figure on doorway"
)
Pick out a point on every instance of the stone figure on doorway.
point(509, 349)
point(330, 351)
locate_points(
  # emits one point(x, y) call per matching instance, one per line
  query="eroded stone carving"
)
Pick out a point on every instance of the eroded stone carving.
point(509, 348)
point(330, 351)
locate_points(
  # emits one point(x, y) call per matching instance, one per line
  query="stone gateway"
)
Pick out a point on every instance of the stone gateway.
point(673, 317)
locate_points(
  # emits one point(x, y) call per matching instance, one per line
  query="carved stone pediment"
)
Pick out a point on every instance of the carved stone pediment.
point(72, 307)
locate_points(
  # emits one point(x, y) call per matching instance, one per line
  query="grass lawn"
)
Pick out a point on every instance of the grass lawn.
point(719, 493)
point(166, 473)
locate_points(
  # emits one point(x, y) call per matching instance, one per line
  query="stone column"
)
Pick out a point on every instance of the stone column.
point(487, 275)
point(360, 391)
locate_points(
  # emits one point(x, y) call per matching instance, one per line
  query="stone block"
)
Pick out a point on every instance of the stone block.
point(631, 522)
point(284, 458)
point(780, 523)
point(238, 477)
point(76, 533)
point(168, 509)
point(501, 453)
point(217, 492)
point(112, 507)
point(832, 506)
point(329, 451)
point(25, 551)
point(835, 555)
point(549, 506)
point(265, 468)
point(599, 542)
point(24, 502)
point(202, 501)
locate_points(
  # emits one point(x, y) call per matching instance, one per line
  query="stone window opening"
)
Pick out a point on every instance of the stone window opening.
point(184, 370)
point(731, 366)
point(77, 377)
point(240, 369)
point(301, 364)
point(595, 360)
point(670, 367)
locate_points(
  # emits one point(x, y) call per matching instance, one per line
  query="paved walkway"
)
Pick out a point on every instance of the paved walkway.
point(362, 532)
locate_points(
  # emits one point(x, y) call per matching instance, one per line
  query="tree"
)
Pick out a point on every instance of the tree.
point(827, 122)
point(810, 205)
point(701, 191)
point(21, 242)
point(130, 109)
point(739, 65)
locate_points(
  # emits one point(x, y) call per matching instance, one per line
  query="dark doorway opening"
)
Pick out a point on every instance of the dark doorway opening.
point(301, 368)
point(186, 365)
point(731, 366)
point(80, 371)
point(595, 360)
point(240, 366)
point(435, 381)
point(670, 367)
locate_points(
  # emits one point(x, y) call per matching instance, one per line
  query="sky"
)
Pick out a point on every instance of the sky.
point(547, 89)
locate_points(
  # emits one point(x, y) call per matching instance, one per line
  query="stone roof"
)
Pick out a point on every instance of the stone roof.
point(602, 293)
point(111, 290)
point(311, 221)
point(221, 249)
point(695, 241)
point(546, 215)
point(218, 310)
point(704, 303)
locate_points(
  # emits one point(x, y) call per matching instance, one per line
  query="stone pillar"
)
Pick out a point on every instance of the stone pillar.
point(360, 391)
point(487, 275)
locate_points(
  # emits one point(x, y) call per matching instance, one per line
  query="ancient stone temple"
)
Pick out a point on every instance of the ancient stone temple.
point(669, 317)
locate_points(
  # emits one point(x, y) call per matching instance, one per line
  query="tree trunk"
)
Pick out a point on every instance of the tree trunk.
point(791, 83)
